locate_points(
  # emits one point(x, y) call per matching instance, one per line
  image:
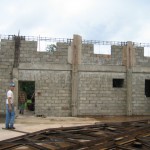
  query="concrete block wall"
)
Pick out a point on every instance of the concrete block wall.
point(141, 60)
point(7, 52)
point(88, 56)
point(29, 53)
point(6, 67)
point(53, 91)
point(4, 85)
point(116, 55)
point(140, 103)
point(97, 96)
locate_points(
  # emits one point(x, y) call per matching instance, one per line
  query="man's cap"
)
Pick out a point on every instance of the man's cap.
point(12, 84)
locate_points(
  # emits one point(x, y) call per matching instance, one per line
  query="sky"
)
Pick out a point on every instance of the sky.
point(104, 20)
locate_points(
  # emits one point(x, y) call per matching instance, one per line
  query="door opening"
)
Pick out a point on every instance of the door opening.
point(26, 96)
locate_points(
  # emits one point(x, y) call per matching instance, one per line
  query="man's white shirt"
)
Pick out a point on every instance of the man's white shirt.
point(11, 95)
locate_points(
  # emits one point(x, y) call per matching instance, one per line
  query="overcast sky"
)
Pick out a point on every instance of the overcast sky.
point(105, 20)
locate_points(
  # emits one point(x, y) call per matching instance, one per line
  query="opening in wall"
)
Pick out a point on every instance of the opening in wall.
point(147, 51)
point(102, 49)
point(46, 46)
point(118, 83)
point(26, 96)
point(147, 88)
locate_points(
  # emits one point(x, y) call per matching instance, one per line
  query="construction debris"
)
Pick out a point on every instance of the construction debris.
point(114, 136)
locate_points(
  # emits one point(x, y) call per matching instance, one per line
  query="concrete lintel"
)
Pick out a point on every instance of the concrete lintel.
point(97, 68)
point(4, 65)
point(141, 70)
point(30, 66)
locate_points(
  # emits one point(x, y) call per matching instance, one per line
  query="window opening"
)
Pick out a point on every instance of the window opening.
point(118, 83)
point(147, 88)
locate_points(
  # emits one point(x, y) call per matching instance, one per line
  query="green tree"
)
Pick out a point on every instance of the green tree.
point(51, 48)
point(28, 87)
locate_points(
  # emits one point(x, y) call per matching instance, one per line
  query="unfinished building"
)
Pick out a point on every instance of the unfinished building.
point(73, 81)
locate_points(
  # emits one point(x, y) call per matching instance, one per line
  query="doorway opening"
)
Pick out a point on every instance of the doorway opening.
point(26, 96)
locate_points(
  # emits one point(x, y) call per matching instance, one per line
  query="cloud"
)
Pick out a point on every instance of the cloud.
point(94, 20)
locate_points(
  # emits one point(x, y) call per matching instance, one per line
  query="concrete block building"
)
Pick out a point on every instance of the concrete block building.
point(74, 81)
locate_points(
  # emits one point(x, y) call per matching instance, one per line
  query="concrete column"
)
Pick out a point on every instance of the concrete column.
point(15, 79)
point(130, 62)
point(75, 60)
point(129, 92)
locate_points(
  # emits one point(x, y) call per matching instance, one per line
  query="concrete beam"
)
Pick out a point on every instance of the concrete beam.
point(41, 66)
point(96, 68)
point(141, 69)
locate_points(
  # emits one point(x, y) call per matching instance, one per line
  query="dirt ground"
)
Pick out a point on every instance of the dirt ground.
point(31, 123)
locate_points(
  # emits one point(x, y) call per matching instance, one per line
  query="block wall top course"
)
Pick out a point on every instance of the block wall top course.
point(29, 54)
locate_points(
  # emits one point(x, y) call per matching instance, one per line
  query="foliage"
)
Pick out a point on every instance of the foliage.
point(28, 87)
point(51, 48)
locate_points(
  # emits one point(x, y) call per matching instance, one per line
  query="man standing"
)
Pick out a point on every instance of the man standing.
point(10, 112)
point(22, 100)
